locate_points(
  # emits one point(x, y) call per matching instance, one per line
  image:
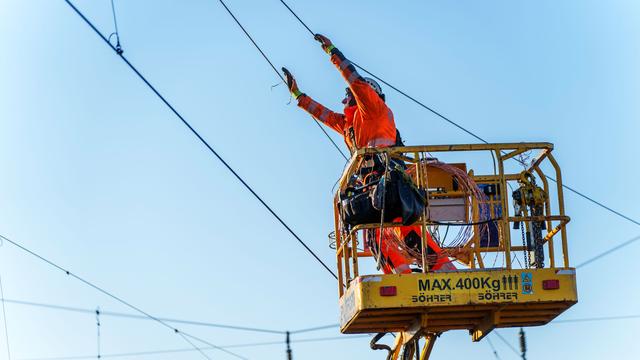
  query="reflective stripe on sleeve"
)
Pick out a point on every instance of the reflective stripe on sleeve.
point(344, 64)
point(324, 115)
point(353, 77)
point(312, 106)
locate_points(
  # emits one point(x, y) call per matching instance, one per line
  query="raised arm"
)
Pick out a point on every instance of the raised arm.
point(319, 112)
point(366, 97)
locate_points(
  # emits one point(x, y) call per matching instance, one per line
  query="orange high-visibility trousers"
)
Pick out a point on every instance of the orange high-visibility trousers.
point(395, 261)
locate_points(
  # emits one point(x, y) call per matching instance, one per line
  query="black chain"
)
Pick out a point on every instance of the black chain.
point(524, 246)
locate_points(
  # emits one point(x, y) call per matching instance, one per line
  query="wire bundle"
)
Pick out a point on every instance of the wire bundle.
point(466, 231)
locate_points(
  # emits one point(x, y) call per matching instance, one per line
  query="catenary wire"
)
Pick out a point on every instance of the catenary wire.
point(506, 342)
point(195, 346)
point(586, 197)
point(202, 140)
point(493, 348)
point(141, 317)
point(185, 350)
point(315, 328)
point(115, 21)
point(118, 47)
point(243, 328)
point(411, 98)
point(596, 202)
point(277, 72)
point(602, 318)
point(469, 132)
point(607, 252)
point(112, 296)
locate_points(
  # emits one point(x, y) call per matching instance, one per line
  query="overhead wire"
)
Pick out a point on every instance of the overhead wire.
point(607, 252)
point(506, 342)
point(365, 70)
point(113, 296)
point(141, 317)
point(493, 348)
point(202, 140)
point(185, 350)
point(277, 72)
point(602, 318)
point(244, 328)
point(185, 335)
point(118, 47)
point(469, 132)
point(315, 328)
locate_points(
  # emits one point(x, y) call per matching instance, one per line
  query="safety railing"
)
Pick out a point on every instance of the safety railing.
point(484, 220)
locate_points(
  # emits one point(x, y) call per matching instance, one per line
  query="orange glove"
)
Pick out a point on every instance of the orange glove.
point(324, 41)
point(291, 83)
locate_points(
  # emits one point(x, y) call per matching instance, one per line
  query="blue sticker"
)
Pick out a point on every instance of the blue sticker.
point(527, 283)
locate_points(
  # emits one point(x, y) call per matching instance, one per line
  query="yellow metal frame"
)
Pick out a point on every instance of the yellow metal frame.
point(478, 309)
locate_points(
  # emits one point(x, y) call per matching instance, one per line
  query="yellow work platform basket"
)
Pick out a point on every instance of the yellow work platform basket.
point(502, 268)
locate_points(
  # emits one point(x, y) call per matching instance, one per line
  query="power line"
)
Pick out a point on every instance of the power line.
point(603, 318)
point(596, 202)
point(116, 33)
point(469, 132)
point(331, 338)
point(114, 297)
point(202, 140)
point(607, 252)
point(278, 73)
point(493, 348)
point(195, 346)
point(315, 328)
point(244, 328)
point(506, 342)
point(141, 317)
point(183, 350)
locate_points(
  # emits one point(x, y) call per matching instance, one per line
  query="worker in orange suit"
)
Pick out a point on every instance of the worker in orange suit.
point(365, 122)
point(396, 260)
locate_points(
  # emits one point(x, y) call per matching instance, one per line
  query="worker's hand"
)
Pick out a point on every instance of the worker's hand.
point(324, 41)
point(291, 83)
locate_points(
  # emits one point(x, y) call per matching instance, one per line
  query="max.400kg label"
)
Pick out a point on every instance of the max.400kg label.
point(507, 283)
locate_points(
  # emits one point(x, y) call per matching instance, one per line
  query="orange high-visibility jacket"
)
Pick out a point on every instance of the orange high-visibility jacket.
point(369, 123)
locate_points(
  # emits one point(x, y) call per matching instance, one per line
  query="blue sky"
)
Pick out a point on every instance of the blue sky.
point(100, 177)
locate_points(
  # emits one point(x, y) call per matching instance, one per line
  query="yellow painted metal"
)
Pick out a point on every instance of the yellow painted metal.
point(429, 339)
point(504, 224)
point(476, 298)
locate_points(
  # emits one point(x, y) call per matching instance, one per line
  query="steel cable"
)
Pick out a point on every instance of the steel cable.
point(506, 342)
point(114, 297)
point(202, 140)
point(607, 252)
point(183, 350)
point(278, 73)
point(592, 200)
point(141, 317)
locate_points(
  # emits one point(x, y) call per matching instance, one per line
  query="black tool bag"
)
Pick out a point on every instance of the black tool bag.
point(357, 207)
point(401, 197)
point(363, 205)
